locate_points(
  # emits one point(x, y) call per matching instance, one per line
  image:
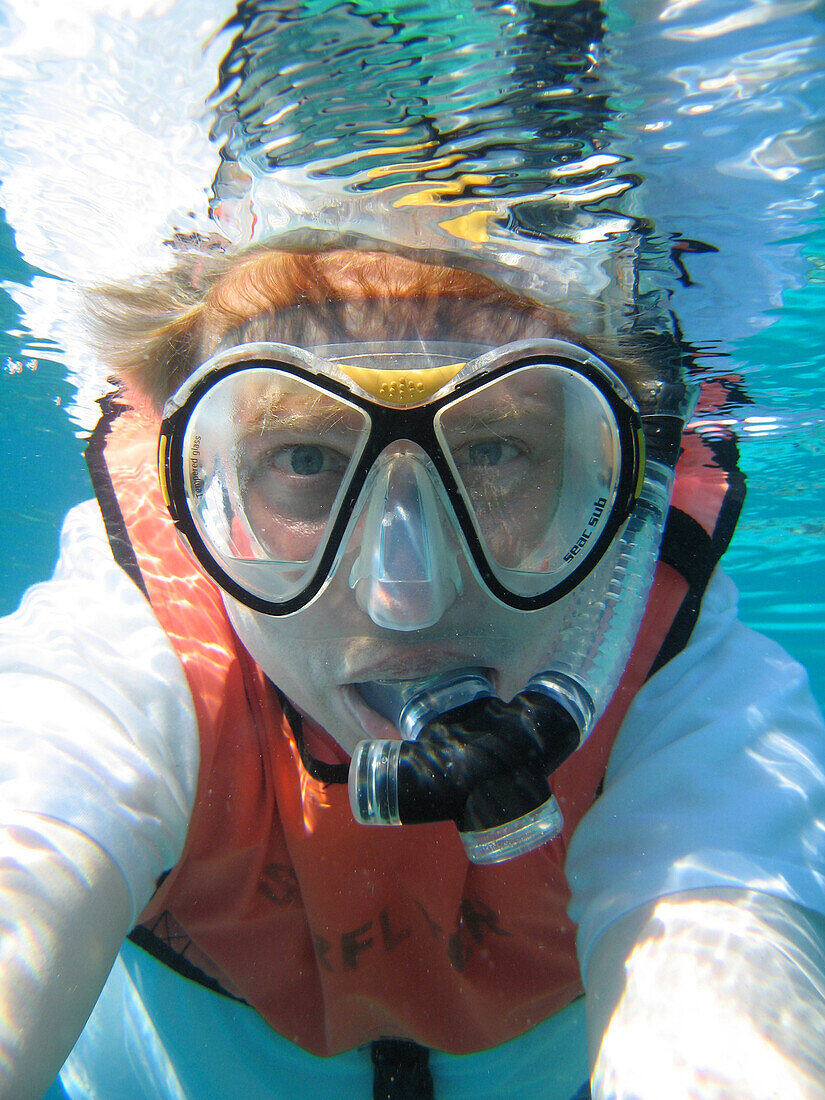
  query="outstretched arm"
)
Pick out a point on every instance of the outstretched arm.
point(66, 908)
point(98, 766)
point(709, 994)
point(696, 878)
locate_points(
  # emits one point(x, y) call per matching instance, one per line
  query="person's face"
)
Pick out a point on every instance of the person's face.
point(293, 467)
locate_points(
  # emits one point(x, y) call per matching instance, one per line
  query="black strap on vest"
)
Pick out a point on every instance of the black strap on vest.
point(168, 944)
point(318, 769)
point(122, 550)
point(401, 1071)
point(694, 554)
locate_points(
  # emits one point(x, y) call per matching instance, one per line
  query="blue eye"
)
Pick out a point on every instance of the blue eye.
point(301, 460)
point(485, 454)
point(306, 459)
point(489, 452)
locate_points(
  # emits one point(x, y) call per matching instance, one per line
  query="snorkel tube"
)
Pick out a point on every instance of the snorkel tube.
point(469, 757)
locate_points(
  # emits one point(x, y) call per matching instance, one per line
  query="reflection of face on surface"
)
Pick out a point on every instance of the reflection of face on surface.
point(506, 447)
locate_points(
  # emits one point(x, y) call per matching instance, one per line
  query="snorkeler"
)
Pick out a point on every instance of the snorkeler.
point(418, 557)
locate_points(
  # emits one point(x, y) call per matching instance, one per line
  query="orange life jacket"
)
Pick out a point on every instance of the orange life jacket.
point(339, 934)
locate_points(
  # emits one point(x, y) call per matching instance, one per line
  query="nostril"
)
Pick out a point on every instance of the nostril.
point(406, 605)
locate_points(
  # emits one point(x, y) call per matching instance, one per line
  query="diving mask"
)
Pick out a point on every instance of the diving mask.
point(401, 459)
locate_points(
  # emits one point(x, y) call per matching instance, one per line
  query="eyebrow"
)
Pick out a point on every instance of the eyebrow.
point(285, 413)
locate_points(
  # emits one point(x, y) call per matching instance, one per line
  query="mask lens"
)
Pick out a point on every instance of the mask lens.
point(536, 455)
point(268, 458)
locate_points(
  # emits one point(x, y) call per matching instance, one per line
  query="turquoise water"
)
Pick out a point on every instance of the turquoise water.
point(43, 472)
point(778, 553)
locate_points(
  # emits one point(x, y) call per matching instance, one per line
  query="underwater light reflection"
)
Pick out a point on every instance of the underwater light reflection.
point(790, 765)
point(142, 1040)
point(705, 952)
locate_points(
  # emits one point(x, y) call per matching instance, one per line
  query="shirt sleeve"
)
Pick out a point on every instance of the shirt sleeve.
point(716, 779)
point(97, 725)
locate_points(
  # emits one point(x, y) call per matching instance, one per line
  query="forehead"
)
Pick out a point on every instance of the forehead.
point(311, 299)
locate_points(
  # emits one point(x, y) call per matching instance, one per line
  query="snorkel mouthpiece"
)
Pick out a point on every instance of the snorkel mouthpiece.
point(483, 763)
point(411, 704)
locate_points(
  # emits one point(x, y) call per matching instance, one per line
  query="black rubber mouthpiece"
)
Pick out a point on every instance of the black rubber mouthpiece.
point(485, 763)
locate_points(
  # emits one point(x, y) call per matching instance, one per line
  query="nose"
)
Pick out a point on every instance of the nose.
point(406, 573)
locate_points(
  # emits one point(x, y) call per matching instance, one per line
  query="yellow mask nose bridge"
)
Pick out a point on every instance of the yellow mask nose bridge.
point(405, 387)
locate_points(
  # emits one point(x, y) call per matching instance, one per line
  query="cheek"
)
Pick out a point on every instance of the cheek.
point(271, 645)
point(286, 539)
